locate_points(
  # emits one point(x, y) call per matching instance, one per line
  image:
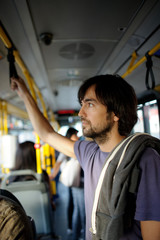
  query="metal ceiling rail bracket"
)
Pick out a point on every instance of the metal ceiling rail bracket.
point(142, 60)
point(134, 57)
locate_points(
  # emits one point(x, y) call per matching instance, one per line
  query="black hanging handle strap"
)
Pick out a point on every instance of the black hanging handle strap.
point(149, 65)
point(11, 60)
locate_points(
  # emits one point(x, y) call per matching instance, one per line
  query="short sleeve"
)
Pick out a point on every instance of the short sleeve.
point(148, 196)
point(85, 150)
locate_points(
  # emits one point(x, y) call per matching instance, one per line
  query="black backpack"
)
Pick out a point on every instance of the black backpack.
point(14, 223)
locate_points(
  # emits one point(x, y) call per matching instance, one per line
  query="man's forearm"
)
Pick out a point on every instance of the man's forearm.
point(39, 122)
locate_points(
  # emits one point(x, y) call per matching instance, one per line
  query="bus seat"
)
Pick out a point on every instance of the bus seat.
point(34, 197)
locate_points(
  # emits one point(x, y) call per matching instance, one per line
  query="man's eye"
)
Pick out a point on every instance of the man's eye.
point(90, 104)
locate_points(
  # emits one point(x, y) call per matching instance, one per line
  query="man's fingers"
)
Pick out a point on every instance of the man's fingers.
point(14, 85)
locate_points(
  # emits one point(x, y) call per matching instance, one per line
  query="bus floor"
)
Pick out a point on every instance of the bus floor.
point(60, 214)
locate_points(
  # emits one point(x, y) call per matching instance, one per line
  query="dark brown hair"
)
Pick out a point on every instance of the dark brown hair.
point(25, 156)
point(117, 95)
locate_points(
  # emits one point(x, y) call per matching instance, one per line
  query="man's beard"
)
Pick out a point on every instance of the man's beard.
point(99, 133)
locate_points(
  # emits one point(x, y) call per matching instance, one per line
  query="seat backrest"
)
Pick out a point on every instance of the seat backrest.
point(34, 196)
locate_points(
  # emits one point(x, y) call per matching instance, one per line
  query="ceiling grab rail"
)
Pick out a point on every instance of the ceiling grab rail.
point(4, 38)
point(133, 59)
point(33, 87)
point(34, 90)
point(142, 60)
point(30, 83)
point(13, 55)
point(25, 72)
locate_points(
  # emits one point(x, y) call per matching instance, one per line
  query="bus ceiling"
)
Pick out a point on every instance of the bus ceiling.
point(79, 44)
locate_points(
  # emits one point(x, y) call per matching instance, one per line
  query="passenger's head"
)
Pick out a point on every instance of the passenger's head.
point(25, 156)
point(72, 134)
point(118, 97)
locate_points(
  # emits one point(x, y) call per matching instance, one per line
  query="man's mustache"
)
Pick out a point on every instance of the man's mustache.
point(85, 120)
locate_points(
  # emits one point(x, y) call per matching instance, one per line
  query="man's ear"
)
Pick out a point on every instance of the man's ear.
point(115, 118)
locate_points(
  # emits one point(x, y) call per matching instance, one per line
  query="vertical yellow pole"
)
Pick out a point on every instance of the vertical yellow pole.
point(53, 183)
point(48, 159)
point(2, 131)
point(1, 118)
point(37, 142)
point(38, 154)
point(52, 151)
point(5, 117)
point(5, 126)
point(46, 149)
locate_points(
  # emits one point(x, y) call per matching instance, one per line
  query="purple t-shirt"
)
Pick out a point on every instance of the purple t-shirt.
point(92, 159)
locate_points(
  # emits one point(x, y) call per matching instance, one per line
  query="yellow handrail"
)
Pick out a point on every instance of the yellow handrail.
point(142, 60)
point(134, 57)
point(19, 61)
point(1, 118)
point(13, 110)
point(34, 90)
point(41, 98)
point(4, 107)
point(31, 87)
point(4, 38)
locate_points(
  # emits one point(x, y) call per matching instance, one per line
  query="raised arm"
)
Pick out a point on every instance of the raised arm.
point(150, 230)
point(40, 124)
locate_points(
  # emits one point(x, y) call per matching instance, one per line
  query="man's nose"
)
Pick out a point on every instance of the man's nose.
point(81, 112)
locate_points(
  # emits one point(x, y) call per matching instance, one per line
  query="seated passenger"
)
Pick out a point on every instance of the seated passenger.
point(26, 159)
point(14, 223)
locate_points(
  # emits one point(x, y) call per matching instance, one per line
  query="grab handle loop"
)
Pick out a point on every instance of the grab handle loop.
point(149, 65)
point(11, 60)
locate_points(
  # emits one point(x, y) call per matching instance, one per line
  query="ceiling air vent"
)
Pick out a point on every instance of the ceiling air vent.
point(77, 51)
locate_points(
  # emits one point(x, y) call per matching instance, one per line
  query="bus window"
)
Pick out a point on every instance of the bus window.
point(148, 119)
point(139, 127)
point(151, 110)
